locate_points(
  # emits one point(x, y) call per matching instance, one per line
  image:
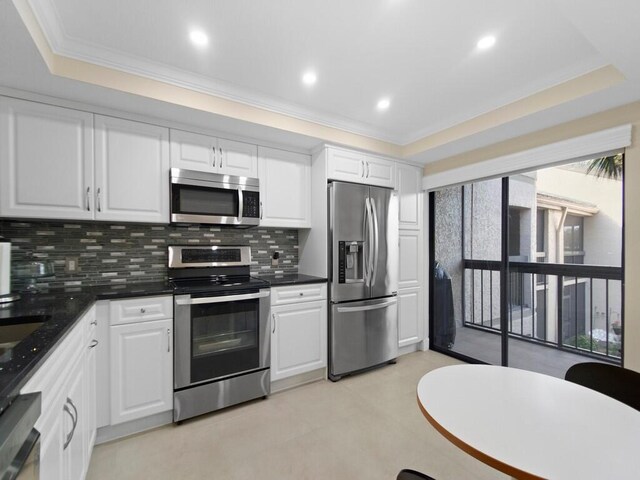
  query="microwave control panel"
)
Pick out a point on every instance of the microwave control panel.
point(251, 204)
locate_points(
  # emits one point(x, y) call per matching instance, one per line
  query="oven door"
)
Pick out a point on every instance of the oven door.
point(218, 203)
point(220, 336)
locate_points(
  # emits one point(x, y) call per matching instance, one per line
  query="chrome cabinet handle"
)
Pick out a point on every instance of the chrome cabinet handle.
point(74, 419)
point(98, 207)
point(93, 343)
point(301, 294)
point(95, 322)
point(273, 317)
point(88, 199)
point(168, 339)
point(368, 169)
point(142, 310)
point(221, 156)
point(214, 156)
point(362, 174)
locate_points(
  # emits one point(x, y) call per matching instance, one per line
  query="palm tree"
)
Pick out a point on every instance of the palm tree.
point(607, 167)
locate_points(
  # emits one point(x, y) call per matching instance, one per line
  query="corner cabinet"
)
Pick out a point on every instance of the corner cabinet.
point(285, 188)
point(132, 171)
point(298, 330)
point(357, 167)
point(141, 351)
point(46, 161)
point(195, 151)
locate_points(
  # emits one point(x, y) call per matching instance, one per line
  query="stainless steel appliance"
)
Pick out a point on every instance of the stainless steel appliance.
point(363, 259)
point(201, 197)
point(19, 440)
point(222, 338)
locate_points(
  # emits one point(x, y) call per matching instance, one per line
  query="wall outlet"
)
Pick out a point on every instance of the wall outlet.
point(275, 259)
point(71, 264)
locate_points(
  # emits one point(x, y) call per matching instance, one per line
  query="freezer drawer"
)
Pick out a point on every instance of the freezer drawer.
point(362, 335)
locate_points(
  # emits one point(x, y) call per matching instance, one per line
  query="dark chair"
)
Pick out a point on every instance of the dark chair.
point(615, 382)
point(407, 474)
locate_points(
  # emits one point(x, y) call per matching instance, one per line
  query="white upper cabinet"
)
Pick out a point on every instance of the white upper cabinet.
point(285, 188)
point(237, 158)
point(46, 161)
point(409, 192)
point(132, 171)
point(380, 172)
point(351, 166)
point(194, 151)
point(345, 165)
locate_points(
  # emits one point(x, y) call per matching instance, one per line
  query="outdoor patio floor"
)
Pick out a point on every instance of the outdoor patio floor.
point(485, 346)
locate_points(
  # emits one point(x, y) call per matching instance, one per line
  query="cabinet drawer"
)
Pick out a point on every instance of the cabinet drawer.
point(141, 309)
point(298, 293)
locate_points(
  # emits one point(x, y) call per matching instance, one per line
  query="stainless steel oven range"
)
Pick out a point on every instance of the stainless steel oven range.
point(222, 350)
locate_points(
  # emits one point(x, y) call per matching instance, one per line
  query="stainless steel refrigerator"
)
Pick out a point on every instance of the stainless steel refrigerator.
point(363, 259)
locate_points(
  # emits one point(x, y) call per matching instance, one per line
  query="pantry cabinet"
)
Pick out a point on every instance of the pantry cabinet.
point(285, 188)
point(194, 151)
point(409, 187)
point(298, 330)
point(46, 161)
point(410, 318)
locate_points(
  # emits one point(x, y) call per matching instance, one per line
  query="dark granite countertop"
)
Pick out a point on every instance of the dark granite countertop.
point(59, 309)
point(291, 279)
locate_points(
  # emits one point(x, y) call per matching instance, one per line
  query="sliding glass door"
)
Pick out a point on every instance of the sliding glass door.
point(527, 270)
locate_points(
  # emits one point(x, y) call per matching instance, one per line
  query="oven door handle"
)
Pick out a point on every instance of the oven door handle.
point(222, 299)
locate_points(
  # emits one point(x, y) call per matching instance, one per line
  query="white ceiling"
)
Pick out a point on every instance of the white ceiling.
point(419, 53)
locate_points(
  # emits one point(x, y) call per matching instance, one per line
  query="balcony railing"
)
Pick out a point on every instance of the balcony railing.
point(568, 306)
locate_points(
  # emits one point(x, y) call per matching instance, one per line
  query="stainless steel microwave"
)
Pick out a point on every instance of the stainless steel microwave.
point(211, 198)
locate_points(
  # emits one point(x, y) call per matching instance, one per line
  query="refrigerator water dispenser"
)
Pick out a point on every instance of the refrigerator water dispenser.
point(351, 261)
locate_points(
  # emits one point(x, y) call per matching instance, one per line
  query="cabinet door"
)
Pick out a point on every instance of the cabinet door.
point(410, 259)
point(52, 453)
point(409, 190)
point(90, 383)
point(298, 339)
point(193, 151)
point(141, 370)
point(380, 172)
point(237, 158)
point(46, 161)
point(285, 188)
point(132, 171)
point(410, 321)
point(75, 458)
point(346, 165)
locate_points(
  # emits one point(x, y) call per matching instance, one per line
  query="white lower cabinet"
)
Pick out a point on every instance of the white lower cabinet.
point(410, 319)
point(141, 369)
point(67, 420)
point(298, 331)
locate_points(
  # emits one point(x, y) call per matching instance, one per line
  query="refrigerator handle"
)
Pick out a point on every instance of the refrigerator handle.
point(371, 243)
point(364, 308)
point(376, 242)
point(366, 247)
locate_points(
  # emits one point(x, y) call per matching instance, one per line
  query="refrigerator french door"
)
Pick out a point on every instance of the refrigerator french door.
point(363, 323)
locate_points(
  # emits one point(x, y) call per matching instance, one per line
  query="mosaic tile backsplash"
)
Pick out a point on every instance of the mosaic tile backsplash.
point(128, 252)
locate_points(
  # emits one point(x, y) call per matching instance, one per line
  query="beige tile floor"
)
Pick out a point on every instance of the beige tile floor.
point(364, 427)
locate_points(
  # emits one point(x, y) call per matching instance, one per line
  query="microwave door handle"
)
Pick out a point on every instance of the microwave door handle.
point(240, 206)
point(222, 299)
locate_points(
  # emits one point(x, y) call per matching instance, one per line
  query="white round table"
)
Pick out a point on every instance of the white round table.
point(530, 425)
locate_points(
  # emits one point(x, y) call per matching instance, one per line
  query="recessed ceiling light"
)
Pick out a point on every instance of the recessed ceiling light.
point(383, 104)
point(486, 42)
point(199, 38)
point(309, 78)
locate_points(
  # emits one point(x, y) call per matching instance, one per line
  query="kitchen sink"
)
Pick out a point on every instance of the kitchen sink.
point(15, 329)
